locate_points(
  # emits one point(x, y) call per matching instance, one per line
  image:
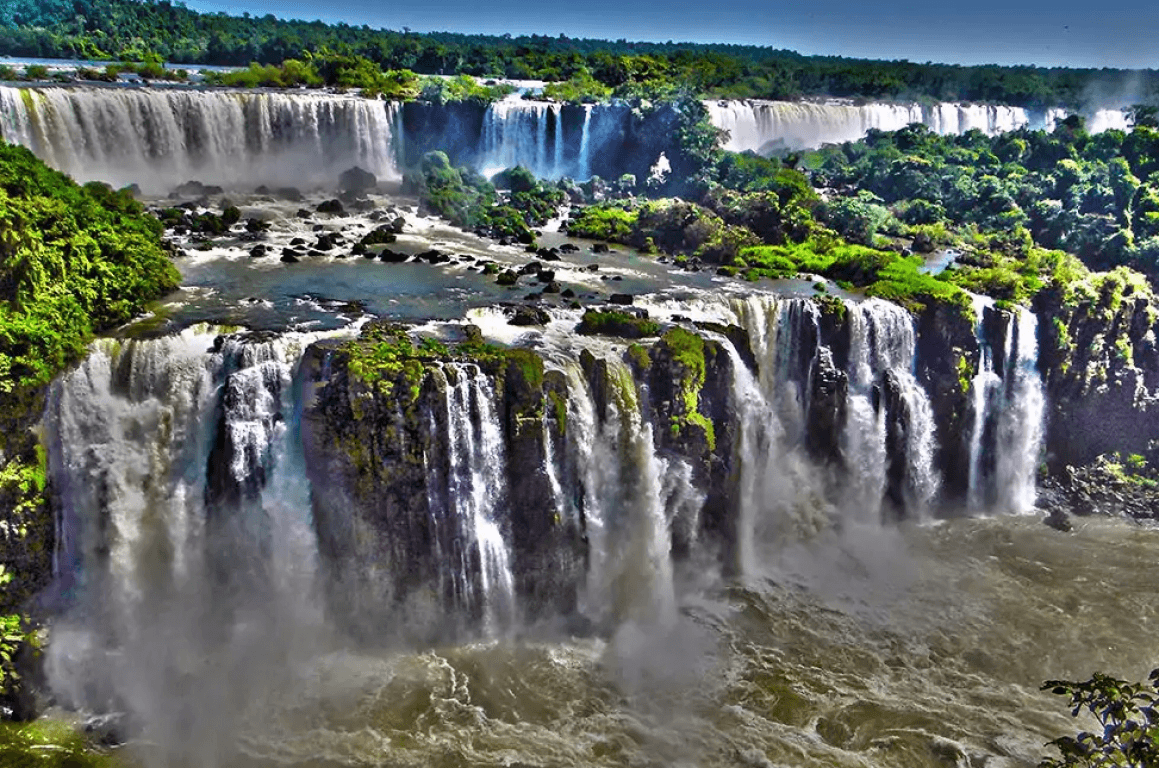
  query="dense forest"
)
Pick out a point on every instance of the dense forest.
point(137, 30)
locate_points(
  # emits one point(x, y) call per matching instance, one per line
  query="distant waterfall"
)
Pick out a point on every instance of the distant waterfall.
point(516, 132)
point(159, 138)
point(765, 126)
point(471, 503)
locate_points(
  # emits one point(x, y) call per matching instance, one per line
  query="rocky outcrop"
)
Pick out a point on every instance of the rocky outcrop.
point(376, 437)
point(1100, 363)
point(948, 359)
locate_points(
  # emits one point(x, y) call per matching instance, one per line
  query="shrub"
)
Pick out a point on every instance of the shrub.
point(1127, 713)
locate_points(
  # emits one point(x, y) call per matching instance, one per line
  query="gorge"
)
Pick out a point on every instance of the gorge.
point(334, 510)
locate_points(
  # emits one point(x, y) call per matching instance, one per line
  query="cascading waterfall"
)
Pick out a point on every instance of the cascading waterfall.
point(883, 344)
point(515, 132)
point(983, 387)
point(863, 442)
point(764, 126)
point(184, 531)
point(1020, 428)
point(625, 505)
point(159, 138)
point(585, 152)
point(1008, 412)
point(475, 455)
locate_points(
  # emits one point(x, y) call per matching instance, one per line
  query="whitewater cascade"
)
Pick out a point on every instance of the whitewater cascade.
point(765, 126)
point(467, 507)
point(182, 477)
point(159, 138)
point(185, 546)
point(1008, 404)
point(527, 133)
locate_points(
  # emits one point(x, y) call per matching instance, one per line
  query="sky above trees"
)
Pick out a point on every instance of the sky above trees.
point(1116, 33)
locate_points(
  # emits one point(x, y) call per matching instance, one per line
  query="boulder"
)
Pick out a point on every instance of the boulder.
point(196, 189)
point(390, 257)
point(622, 299)
point(525, 315)
point(357, 180)
point(331, 207)
point(289, 257)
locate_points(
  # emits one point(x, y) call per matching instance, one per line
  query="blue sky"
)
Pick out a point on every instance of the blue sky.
point(1116, 33)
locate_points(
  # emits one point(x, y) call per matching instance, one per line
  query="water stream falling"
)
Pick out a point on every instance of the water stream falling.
point(763, 126)
point(1008, 411)
point(1020, 428)
point(515, 132)
point(474, 499)
point(159, 138)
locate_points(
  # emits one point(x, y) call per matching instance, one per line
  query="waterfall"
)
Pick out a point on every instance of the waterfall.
point(1008, 408)
point(1020, 427)
point(863, 442)
point(515, 133)
point(159, 138)
point(765, 126)
point(983, 388)
point(585, 152)
point(623, 499)
point(883, 345)
point(473, 507)
point(186, 548)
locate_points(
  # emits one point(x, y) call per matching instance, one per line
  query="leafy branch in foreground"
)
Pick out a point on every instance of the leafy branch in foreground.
point(1127, 712)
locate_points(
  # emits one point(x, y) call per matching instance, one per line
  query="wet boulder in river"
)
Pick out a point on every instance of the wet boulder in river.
point(357, 180)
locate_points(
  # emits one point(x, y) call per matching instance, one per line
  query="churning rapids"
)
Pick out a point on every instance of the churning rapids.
point(216, 589)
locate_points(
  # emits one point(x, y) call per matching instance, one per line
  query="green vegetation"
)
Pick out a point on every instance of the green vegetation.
point(391, 361)
point(614, 323)
point(688, 351)
point(1126, 712)
point(582, 88)
point(132, 30)
point(467, 200)
point(463, 88)
point(997, 199)
point(73, 260)
point(48, 744)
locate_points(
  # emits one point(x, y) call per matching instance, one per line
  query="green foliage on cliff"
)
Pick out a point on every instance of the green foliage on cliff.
point(73, 260)
point(581, 88)
point(467, 200)
point(688, 353)
point(604, 222)
point(133, 30)
point(464, 89)
point(1002, 201)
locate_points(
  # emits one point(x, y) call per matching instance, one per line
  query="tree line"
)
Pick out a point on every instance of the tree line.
point(135, 30)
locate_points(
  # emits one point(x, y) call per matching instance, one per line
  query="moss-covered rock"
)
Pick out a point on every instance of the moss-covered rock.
point(626, 325)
